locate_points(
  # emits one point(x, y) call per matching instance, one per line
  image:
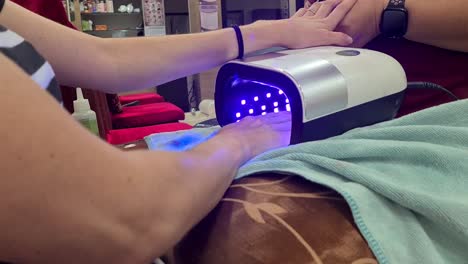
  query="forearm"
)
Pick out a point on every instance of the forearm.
point(439, 23)
point(181, 199)
point(69, 197)
point(156, 60)
point(115, 65)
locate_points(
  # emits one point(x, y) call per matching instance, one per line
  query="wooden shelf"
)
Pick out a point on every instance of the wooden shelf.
point(113, 30)
point(110, 14)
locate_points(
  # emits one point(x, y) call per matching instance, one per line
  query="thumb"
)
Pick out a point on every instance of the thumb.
point(336, 38)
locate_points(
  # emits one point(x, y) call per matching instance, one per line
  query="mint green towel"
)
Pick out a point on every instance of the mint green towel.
point(406, 181)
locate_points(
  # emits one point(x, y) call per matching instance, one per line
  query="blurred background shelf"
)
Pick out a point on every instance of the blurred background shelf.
point(117, 33)
point(111, 14)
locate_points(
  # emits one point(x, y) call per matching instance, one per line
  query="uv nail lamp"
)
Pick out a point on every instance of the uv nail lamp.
point(328, 90)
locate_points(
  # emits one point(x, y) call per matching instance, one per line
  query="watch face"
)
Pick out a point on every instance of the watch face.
point(394, 22)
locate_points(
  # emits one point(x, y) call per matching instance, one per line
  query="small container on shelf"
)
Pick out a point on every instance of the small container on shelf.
point(101, 27)
point(101, 7)
point(87, 25)
point(109, 6)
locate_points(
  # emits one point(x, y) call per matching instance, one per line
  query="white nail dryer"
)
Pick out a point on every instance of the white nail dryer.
point(328, 90)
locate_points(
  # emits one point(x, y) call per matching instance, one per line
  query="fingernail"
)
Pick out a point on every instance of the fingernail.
point(349, 39)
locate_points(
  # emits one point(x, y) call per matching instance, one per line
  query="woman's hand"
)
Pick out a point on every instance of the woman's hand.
point(258, 134)
point(315, 25)
point(362, 22)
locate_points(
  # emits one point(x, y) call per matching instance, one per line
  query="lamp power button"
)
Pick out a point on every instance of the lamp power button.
point(348, 53)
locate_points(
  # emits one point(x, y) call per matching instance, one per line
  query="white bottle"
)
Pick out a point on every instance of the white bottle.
point(101, 7)
point(83, 113)
point(208, 15)
point(109, 6)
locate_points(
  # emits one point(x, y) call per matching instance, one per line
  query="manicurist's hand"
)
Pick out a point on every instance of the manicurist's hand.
point(361, 22)
point(315, 26)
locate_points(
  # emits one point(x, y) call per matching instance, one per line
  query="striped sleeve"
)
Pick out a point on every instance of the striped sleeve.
point(27, 58)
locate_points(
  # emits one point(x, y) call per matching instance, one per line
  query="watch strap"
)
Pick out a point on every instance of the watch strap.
point(2, 3)
point(394, 21)
point(396, 4)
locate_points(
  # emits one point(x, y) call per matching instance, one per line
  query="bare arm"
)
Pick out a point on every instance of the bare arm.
point(67, 197)
point(115, 65)
point(439, 23)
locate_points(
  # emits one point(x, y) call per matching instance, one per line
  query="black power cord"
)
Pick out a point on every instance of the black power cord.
point(431, 86)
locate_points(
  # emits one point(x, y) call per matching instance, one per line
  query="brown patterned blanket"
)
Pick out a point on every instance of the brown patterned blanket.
point(274, 218)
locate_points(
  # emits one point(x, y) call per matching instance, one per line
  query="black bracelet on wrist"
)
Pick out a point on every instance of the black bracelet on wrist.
point(2, 3)
point(240, 41)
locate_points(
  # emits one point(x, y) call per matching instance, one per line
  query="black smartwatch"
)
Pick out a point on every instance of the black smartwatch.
point(394, 20)
point(2, 3)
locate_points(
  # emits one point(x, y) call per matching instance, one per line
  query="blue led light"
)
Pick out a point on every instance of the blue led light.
point(256, 98)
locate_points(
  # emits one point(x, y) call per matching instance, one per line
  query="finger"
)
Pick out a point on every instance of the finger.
point(339, 13)
point(313, 9)
point(279, 120)
point(280, 117)
point(301, 12)
point(326, 8)
point(307, 4)
point(335, 38)
point(285, 126)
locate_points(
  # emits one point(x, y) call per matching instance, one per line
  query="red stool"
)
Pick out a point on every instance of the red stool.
point(144, 98)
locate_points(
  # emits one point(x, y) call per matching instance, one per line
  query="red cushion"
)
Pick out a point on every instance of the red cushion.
point(147, 115)
point(144, 98)
point(123, 136)
point(53, 10)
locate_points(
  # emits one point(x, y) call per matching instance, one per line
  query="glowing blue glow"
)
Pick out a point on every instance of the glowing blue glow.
point(256, 99)
point(183, 142)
